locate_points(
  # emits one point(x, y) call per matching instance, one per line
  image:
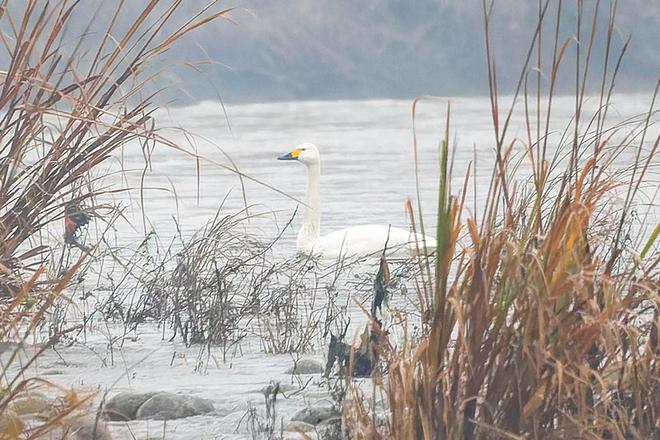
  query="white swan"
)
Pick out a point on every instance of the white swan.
point(356, 241)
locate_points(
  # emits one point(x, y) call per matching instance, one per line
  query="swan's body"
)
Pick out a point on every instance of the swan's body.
point(363, 240)
point(356, 241)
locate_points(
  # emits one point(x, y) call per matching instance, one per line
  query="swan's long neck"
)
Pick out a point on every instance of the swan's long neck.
point(311, 227)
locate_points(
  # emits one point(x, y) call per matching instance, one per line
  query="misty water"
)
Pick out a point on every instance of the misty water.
point(366, 154)
point(368, 173)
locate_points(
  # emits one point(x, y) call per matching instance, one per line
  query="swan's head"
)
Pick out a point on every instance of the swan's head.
point(305, 153)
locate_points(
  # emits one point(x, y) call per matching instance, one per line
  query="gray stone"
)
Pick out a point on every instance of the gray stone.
point(10, 347)
point(315, 414)
point(9, 421)
point(32, 403)
point(86, 428)
point(280, 387)
point(124, 406)
point(330, 429)
point(297, 426)
point(167, 406)
point(90, 429)
point(306, 366)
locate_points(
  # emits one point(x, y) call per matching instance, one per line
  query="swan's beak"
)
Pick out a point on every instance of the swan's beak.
point(290, 156)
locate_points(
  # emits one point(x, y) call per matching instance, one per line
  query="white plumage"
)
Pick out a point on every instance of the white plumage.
point(356, 241)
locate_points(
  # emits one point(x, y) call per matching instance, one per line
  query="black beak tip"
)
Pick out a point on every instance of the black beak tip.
point(287, 156)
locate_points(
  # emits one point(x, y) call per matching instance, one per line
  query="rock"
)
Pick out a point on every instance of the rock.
point(330, 429)
point(10, 347)
point(167, 406)
point(306, 366)
point(31, 403)
point(10, 424)
point(289, 435)
point(315, 414)
point(297, 426)
point(280, 387)
point(81, 428)
point(124, 406)
point(89, 428)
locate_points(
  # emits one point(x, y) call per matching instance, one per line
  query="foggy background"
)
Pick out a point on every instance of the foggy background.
point(348, 49)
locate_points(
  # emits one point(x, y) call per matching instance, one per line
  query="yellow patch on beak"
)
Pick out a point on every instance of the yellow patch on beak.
point(295, 153)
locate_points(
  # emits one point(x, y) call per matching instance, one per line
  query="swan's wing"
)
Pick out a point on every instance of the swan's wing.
point(367, 240)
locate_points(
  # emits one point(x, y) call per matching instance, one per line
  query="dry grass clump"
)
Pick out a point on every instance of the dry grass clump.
point(220, 285)
point(66, 110)
point(205, 288)
point(541, 317)
point(26, 410)
point(291, 315)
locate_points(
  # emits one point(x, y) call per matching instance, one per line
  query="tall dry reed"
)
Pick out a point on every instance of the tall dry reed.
point(68, 103)
point(541, 318)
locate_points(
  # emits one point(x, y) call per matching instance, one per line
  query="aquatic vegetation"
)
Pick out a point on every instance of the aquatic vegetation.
point(65, 110)
point(537, 317)
point(541, 318)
